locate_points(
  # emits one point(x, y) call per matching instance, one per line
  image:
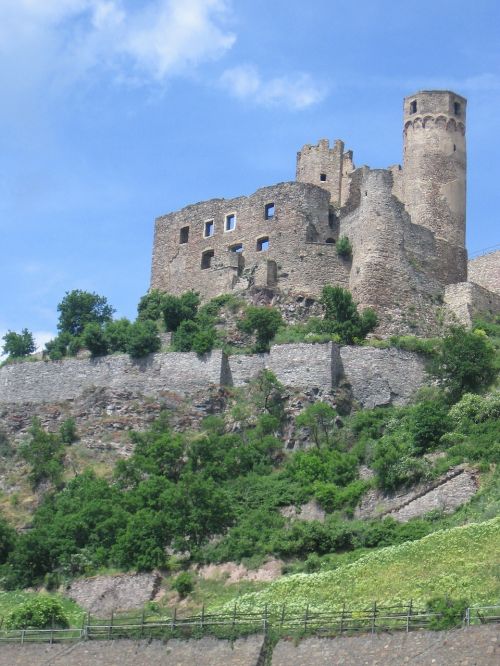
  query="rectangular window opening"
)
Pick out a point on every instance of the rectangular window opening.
point(269, 211)
point(238, 247)
point(262, 244)
point(413, 106)
point(206, 259)
point(230, 222)
point(209, 229)
point(184, 235)
point(457, 108)
point(322, 177)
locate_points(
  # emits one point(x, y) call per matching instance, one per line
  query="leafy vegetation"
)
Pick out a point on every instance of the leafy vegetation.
point(18, 345)
point(344, 247)
point(264, 322)
point(38, 612)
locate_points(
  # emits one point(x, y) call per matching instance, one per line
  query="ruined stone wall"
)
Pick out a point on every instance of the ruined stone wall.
point(377, 376)
point(467, 300)
point(323, 166)
point(396, 265)
point(297, 255)
point(485, 271)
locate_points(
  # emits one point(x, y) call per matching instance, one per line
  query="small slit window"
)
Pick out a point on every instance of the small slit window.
point(330, 241)
point(263, 244)
point(206, 259)
point(457, 108)
point(322, 177)
point(184, 235)
point(209, 229)
point(269, 211)
point(230, 222)
point(238, 247)
point(413, 106)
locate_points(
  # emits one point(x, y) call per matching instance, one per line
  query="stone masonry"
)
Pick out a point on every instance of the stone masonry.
point(406, 226)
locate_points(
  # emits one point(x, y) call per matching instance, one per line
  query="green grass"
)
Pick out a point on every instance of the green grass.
point(461, 562)
point(10, 600)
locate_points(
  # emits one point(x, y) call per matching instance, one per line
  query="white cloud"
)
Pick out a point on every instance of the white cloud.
point(297, 91)
point(155, 40)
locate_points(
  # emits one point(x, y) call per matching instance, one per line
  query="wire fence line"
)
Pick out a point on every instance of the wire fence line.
point(237, 623)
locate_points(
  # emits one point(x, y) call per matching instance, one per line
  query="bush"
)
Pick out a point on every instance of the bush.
point(344, 247)
point(143, 339)
point(342, 318)
point(177, 309)
point(465, 363)
point(58, 347)
point(319, 419)
point(450, 612)
point(151, 306)
point(183, 584)
point(18, 345)
point(428, 422)
point(67, 431)
point(44, 452)
point(117, 334)
point(264, 322)
point(79, 308)
point(94, 339)
point(40, 612)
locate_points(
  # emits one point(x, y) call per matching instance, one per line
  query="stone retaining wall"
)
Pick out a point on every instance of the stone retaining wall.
point(376, 376)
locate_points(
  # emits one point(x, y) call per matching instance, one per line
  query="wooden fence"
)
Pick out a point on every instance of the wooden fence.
point(236, 623)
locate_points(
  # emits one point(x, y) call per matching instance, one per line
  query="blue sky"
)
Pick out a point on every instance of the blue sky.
point(116, 111)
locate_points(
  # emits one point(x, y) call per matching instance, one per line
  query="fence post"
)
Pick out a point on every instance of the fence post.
point(408, 616)
point(374, 615)
point(202, 618)
point(22, 636)
point(467, 617)
point(52, 630)
point(234, 616)
point(264, 620)
point(282, 620)
point(306, 617)
point(142, 622)
point(342, 618)
point(110, 626)
point(174, 618)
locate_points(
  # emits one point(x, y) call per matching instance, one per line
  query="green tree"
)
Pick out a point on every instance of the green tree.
point(177, 309)
point(117, 334)
point(44, 452)
point(94, 339)
point(342, 317)
point(39, 612)
point(264, 321)
point(428, 422)
point(465, 363)
point(8, 538)
point(143, 339)
point(79, 308)
point(183, 584)
point(18, 345)
point(319, 418)
point(152, 305)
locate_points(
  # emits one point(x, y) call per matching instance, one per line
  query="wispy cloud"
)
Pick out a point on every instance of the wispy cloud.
point(158, 39)
point(298, 91)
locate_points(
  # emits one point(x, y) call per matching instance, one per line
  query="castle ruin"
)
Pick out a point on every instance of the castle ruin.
point(406, 227)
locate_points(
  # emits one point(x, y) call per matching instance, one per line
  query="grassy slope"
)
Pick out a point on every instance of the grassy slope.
point(461, 562)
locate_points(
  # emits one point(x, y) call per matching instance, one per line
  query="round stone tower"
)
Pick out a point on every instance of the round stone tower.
point(434, 168)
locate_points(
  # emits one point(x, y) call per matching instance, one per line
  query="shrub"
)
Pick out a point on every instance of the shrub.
point(450, 612)
point(342, 318)
point(117, 334)
point(344, 247)
point(8, 538)
point(143, 339)
point(319, 418)
point(428, 422)
point(264, 321)
point(465, 363)
point(58, 347)
point(40, 612)
point(151, 305)
point(18, 345)
point(67, 431)
point(94, 339)
point(44, 452)
point(79, 308)
point(183, 584)
point(177, 309)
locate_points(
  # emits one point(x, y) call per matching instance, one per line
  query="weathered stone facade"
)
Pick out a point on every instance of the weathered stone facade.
point(376, 376)
point(406, 227)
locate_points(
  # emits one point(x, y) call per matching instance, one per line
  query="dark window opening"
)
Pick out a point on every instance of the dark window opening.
point(206, 258)
point(209, 228)
point(236, 248)
point(269, 211)
point(230, 222)
point(457, 108)
point(184, 235)
point(454, 148)
point(330, 241)
point(322, 177)
point(262, 244)
point(413, 106)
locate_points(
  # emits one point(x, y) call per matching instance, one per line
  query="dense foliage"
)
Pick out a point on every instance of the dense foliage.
point(264, 322)
point(18, 345)
point(79, 308)
point(38, 612)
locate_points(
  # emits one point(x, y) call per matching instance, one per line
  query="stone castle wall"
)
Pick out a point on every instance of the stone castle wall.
point(377, 376)
point(485, 271)
point(467, 300)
